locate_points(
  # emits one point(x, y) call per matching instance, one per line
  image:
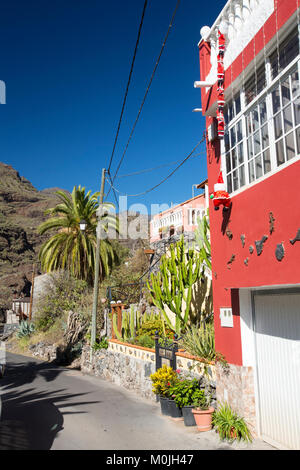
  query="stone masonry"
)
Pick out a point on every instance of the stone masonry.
point(127, 371)
point(236, 387)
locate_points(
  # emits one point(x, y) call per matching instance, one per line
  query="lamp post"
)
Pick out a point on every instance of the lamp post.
point(97, 265)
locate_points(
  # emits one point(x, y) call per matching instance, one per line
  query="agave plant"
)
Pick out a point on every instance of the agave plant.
point(230, 425)
point(200, 341)
point(25, 329)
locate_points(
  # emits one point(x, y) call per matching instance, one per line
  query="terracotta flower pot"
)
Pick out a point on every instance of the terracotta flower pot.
point(203, 418)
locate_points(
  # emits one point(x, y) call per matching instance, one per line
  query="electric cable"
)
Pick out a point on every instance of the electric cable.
point(164, 179)
point(147, 90)
point(148, 170)
point(128, 83)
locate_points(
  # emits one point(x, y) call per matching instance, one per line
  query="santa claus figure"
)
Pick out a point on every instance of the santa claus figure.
point(221, 122)
point(220, 196)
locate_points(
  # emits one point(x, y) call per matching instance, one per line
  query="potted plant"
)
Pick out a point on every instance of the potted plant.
point(230, 425)
point(162, 380)
point(202, 411)
point(182, 392)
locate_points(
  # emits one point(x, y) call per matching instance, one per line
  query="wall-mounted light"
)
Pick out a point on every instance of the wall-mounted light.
point(82, 225)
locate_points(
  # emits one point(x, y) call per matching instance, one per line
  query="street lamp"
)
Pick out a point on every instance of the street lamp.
point(82, 225)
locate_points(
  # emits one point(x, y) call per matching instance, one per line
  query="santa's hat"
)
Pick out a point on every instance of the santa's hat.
point(220, 186)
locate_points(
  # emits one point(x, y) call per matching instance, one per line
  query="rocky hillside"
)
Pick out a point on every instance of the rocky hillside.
point(22, 209)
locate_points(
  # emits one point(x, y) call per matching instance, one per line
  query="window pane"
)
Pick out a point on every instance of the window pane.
point(290, 146)
point(226, 141)
point(276, 100)
point(258, 167)
point(263, 112)
point(248, 124)
point(278, 126)
point(230, 112)
point(241, 153)
point(265, 136)
point(229, 184)
point(239, 133)
point(256, 140)
point(267, 161)
point(228, 164)
point(237, 104)
point(234, 157)
point(251, 171)
point(295, 84)
point(242, 175)
point(297, 112)
point(279, 152)
point(298, 139)
point(285, 91)
point(287, 118)
point(232, 137)
point(255, 119)
point(261, 78)
point(250, 148)
point(235, 180)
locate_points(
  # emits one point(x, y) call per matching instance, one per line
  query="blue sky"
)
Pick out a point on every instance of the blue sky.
point(66, 63)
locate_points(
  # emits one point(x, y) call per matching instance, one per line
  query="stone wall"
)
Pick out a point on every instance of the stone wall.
point(131, 371)
point(131, 366)
point(236, 387)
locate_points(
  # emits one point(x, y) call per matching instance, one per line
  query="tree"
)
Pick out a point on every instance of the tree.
point(70, 248)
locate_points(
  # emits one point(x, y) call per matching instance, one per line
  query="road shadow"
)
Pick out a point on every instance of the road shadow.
point(31, 418)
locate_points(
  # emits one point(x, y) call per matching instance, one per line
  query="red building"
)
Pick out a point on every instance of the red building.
point(256, 242)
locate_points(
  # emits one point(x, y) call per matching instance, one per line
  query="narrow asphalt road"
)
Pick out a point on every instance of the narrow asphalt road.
point(50, 407)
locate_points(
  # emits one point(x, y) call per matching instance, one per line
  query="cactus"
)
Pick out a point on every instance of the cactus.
point(131, 322)
point(202, 240)
point(174, 282)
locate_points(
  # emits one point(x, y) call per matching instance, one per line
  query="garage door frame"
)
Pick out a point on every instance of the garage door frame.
point(254, 293)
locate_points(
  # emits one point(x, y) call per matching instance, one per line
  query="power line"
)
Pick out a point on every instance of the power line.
point(110, 183)
point(163, 181)
point(148, 170)
point(128, 83)
point(147, 90)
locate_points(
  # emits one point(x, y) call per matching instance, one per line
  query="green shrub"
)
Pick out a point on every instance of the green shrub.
point(61, 294)
point(145, 341)
point(103, 344)
point(229, 425)
point(25, 329)
point(185, 392)
point(149, 328)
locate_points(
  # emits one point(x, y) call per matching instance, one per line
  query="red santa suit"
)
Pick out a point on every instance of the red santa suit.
point(220, 195)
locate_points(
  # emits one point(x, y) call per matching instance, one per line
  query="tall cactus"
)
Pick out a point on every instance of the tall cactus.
point(202, 234)
point(131, 322)
point(172, 285)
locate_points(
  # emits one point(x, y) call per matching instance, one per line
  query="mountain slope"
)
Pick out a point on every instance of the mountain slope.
point(22, 209)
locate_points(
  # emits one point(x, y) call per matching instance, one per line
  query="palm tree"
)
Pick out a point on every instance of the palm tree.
point(70, 248)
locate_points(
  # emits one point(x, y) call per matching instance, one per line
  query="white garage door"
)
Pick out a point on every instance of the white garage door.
point(277, 337)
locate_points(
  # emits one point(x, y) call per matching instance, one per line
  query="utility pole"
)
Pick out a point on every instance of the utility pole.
point(97, 264)
point(31, 293)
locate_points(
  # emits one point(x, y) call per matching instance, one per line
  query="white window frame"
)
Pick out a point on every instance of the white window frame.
point(267, 92)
